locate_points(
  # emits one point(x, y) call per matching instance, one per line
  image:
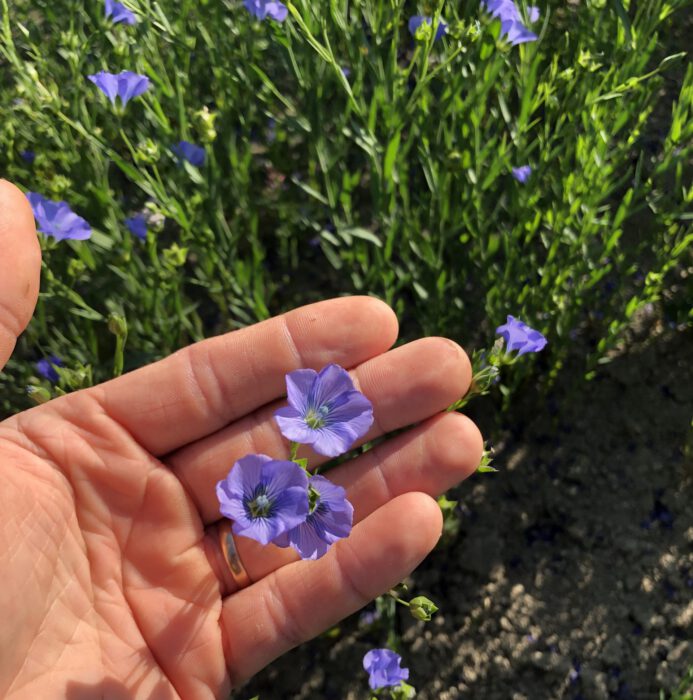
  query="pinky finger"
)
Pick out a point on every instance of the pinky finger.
point(298, 601)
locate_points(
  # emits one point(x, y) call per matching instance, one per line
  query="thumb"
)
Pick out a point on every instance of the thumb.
point(20, 267)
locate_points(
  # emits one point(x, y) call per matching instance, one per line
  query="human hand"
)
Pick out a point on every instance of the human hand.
point(113, 582)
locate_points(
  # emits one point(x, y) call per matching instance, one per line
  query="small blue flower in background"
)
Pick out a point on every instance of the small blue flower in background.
point(516, 33)
point(324, 411)
point(519, 336)
point(137, 225)
point(417, 20)
point(57, 219)
point(330, 519)
point(383, 667)
point(266, 8)
point(195, 155)
point(28, 156)
point(369, 617)
point(46, 368)
point(522, 173)
point(117, 12)
point(125, 85)
point(512, 27)
point(264, 497)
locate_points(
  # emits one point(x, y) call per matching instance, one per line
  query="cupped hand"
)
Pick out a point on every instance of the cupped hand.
point(112, 581)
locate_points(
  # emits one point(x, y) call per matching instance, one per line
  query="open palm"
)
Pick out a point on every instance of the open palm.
point(112, 583)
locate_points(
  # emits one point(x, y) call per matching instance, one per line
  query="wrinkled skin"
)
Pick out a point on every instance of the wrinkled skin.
point(113, 585)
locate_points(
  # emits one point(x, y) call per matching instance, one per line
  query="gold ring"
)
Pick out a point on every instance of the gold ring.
point(231, 557)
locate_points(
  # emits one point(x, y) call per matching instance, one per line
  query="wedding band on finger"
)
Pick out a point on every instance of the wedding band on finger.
point(231, 556)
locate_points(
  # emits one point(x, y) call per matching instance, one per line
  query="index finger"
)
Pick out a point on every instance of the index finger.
point(202, 388)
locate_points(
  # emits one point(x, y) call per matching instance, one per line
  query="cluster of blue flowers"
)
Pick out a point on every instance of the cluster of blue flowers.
point(56, 218)
point(279, 501)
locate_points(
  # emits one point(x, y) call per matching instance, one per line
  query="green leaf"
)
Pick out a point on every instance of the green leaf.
point(363, 234)
point(391, 155)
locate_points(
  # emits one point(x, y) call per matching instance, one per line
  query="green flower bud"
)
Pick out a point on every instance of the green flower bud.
point(175, 256)
point(38, 394)
point(205, 120)
point(423, 32)
point(76, 267)
point(422, 608)
point(117, 325)
point(403, 691)
point(147, 152)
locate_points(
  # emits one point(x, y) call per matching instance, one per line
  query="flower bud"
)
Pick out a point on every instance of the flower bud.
point(403, 691)
point(118, 325)
point(422, 608)
point(175, 256)
point(38, 394)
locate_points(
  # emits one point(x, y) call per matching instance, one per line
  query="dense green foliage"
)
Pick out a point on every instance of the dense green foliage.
point(393, 180)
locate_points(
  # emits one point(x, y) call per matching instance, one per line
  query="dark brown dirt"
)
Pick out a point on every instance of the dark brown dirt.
point(572, 574)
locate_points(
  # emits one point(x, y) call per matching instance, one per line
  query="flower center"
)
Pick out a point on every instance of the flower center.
point(260, 506)
point(317, 417)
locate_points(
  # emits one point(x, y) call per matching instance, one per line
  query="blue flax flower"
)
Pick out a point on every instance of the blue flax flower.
point(137, 225)
point(522, 173)
point(264, 497)
point(417, 20)
point(266, 8)
point(329, 520)
point(324, 411)
point(383, 667)
point(118, 13)
point(195, 155)
point(46, 368)
point(28, 156)
point(57, 219)
point(519, 336)
point(512, 26)
point(125, 85)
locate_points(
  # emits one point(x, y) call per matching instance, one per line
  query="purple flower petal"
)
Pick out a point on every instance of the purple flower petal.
point(46, 368)
point(383, 667)
point(512, 27)
point(522, 173)
point(56, 219)
point(330, 384)
point(125, 85)
point(519, 336)
point(118, 13)
point(195, 155)
point(293, 426)
point(298, 386)
point(137, 225)
point(262, 9)
point(516, 33)
point(107, 83)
